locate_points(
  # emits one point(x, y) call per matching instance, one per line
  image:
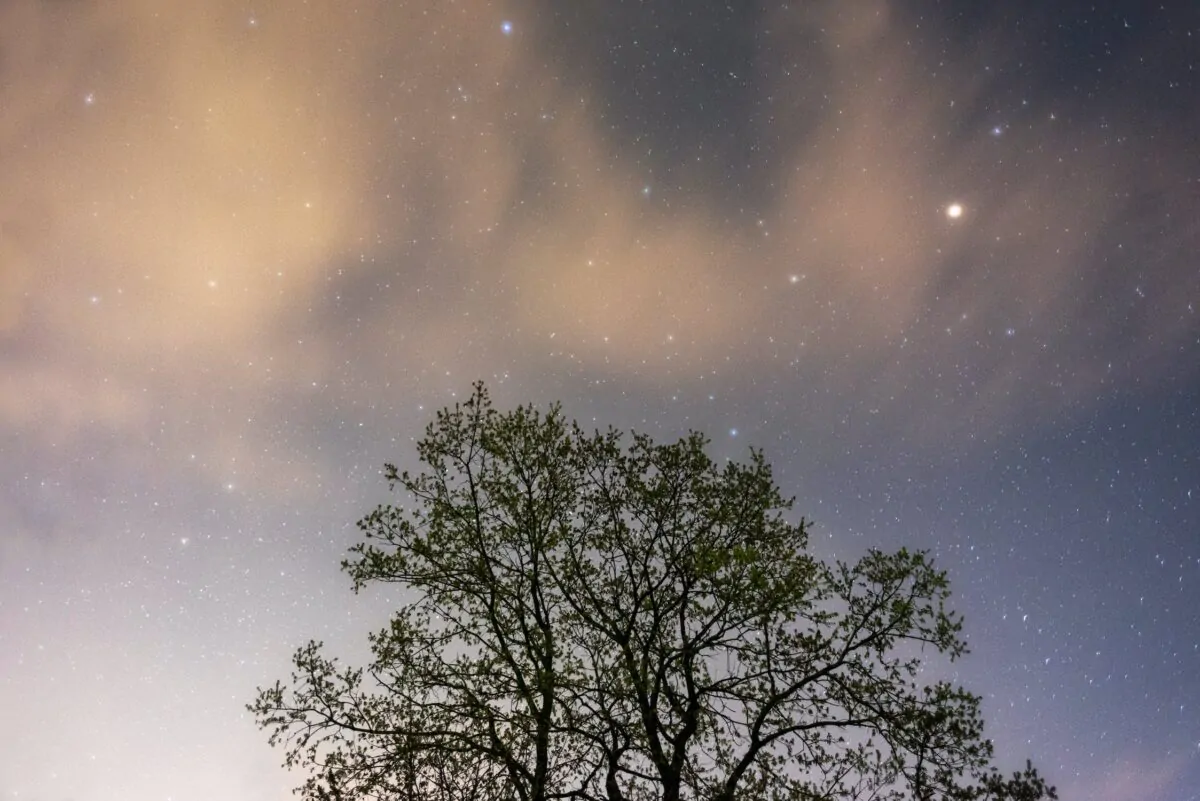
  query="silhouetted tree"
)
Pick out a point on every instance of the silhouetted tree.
point(590, 617)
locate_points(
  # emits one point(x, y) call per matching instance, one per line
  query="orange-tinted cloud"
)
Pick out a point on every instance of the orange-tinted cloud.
point(185, 184)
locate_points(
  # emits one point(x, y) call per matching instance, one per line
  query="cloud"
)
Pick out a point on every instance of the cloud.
point(1136, 778)
point(176, 180)
point(194, 190)
point(14, 281)
point(182, 161)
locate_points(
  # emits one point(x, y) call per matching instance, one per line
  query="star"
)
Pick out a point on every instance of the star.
point(256, 264)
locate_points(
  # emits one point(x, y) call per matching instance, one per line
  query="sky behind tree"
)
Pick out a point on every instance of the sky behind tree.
point(937, 260)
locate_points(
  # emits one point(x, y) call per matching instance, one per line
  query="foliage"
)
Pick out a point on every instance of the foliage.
point(591, 618)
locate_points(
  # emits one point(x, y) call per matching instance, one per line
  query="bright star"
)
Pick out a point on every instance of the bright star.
point(506, 28)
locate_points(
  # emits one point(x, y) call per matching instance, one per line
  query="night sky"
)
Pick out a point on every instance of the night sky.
point(940, 260)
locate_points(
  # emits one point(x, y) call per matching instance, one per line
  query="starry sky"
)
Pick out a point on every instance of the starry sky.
point(938, 259)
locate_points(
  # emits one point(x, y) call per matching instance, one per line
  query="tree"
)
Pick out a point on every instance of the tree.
point(595, 618)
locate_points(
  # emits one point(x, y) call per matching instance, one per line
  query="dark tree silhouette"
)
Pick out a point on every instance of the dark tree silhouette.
point(590, 617)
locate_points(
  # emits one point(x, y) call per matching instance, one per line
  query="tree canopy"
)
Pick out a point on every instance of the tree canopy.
point(604, 618)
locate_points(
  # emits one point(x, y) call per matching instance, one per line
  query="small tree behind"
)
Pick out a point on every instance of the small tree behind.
point(595, 618)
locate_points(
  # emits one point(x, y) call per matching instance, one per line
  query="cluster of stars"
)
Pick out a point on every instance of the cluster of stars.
point(848, 427)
